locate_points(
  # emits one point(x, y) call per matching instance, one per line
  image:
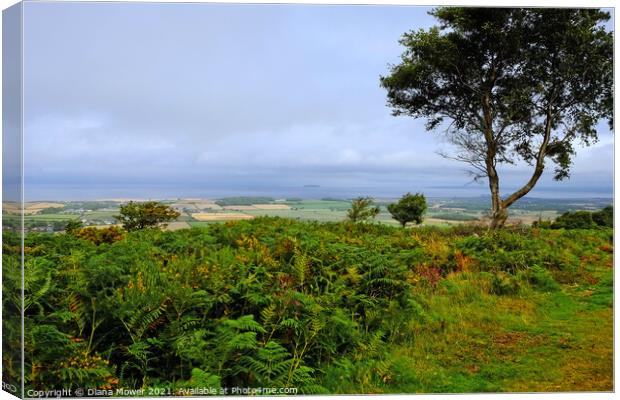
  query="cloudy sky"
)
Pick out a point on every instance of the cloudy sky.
point(167, 100)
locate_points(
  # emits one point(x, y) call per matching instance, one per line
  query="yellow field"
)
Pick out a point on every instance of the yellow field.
point(11, 207)
point(35, 207)
point(272, 206)
point(220, 216)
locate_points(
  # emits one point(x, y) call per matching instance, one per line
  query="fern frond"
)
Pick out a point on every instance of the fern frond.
point(78, 311)
point(245, 323)
point(243, 341)
point(268, 314)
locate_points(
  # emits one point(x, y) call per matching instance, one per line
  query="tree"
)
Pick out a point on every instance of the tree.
point(362, 209)
point(73, 225)
point(604, 217)
point(409, 208)
point(509, 86)
point(134, 216)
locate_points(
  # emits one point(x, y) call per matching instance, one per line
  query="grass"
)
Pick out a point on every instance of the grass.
point(531, 341)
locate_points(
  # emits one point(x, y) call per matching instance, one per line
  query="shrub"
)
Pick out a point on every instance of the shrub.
point(604, 217)
point(99, 235)
point(574, 220)
point(584, 219)
point(409, 208)
point(73, 226)
point(362, 209)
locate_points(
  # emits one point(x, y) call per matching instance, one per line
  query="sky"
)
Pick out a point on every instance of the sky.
point(154, 100)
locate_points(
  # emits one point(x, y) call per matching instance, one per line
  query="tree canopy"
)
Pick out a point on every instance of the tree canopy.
point(508, 85)
point(134, 216)
point(409, 208)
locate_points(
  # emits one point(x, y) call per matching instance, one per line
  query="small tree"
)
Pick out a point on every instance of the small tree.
point(134, 216)
point(362, 209)
point(409, 208)
point(73, 225)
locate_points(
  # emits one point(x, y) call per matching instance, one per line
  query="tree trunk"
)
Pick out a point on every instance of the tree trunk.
point(499, 210)
point(499, 207)
point(498, 217)
point(502, 211)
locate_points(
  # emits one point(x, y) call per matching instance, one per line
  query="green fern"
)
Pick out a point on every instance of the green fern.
point(202, 379)
point(245, 323)
point(142, 319)
point(301, 267)
point(269, 366)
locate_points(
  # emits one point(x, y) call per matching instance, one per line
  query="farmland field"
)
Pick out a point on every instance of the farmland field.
point(48, 217)
point(220, 216)
point(198, 212)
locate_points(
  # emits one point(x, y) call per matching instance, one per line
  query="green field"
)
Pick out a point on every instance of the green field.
point(108, 214)
point(441, 212)
point(50, 217)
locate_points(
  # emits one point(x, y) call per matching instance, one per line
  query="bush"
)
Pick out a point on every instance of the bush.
point(583, 220)
point(574, 220)
point(362, 209)
point(605, 217)
point(409, 208)
point(99, 235)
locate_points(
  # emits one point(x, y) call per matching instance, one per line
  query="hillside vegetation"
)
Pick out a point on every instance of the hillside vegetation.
point(322, 307)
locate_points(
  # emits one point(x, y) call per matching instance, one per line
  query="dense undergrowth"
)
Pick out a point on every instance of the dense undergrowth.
point(323, 307)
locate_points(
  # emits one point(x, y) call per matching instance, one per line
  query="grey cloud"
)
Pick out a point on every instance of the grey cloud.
point(192, 96)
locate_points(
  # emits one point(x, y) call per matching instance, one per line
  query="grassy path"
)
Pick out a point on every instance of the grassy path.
point(560, 340)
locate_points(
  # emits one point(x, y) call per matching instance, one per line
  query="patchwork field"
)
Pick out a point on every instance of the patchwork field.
point(198, 212)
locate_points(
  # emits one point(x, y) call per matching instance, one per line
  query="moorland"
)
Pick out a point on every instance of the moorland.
point(319, 307)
